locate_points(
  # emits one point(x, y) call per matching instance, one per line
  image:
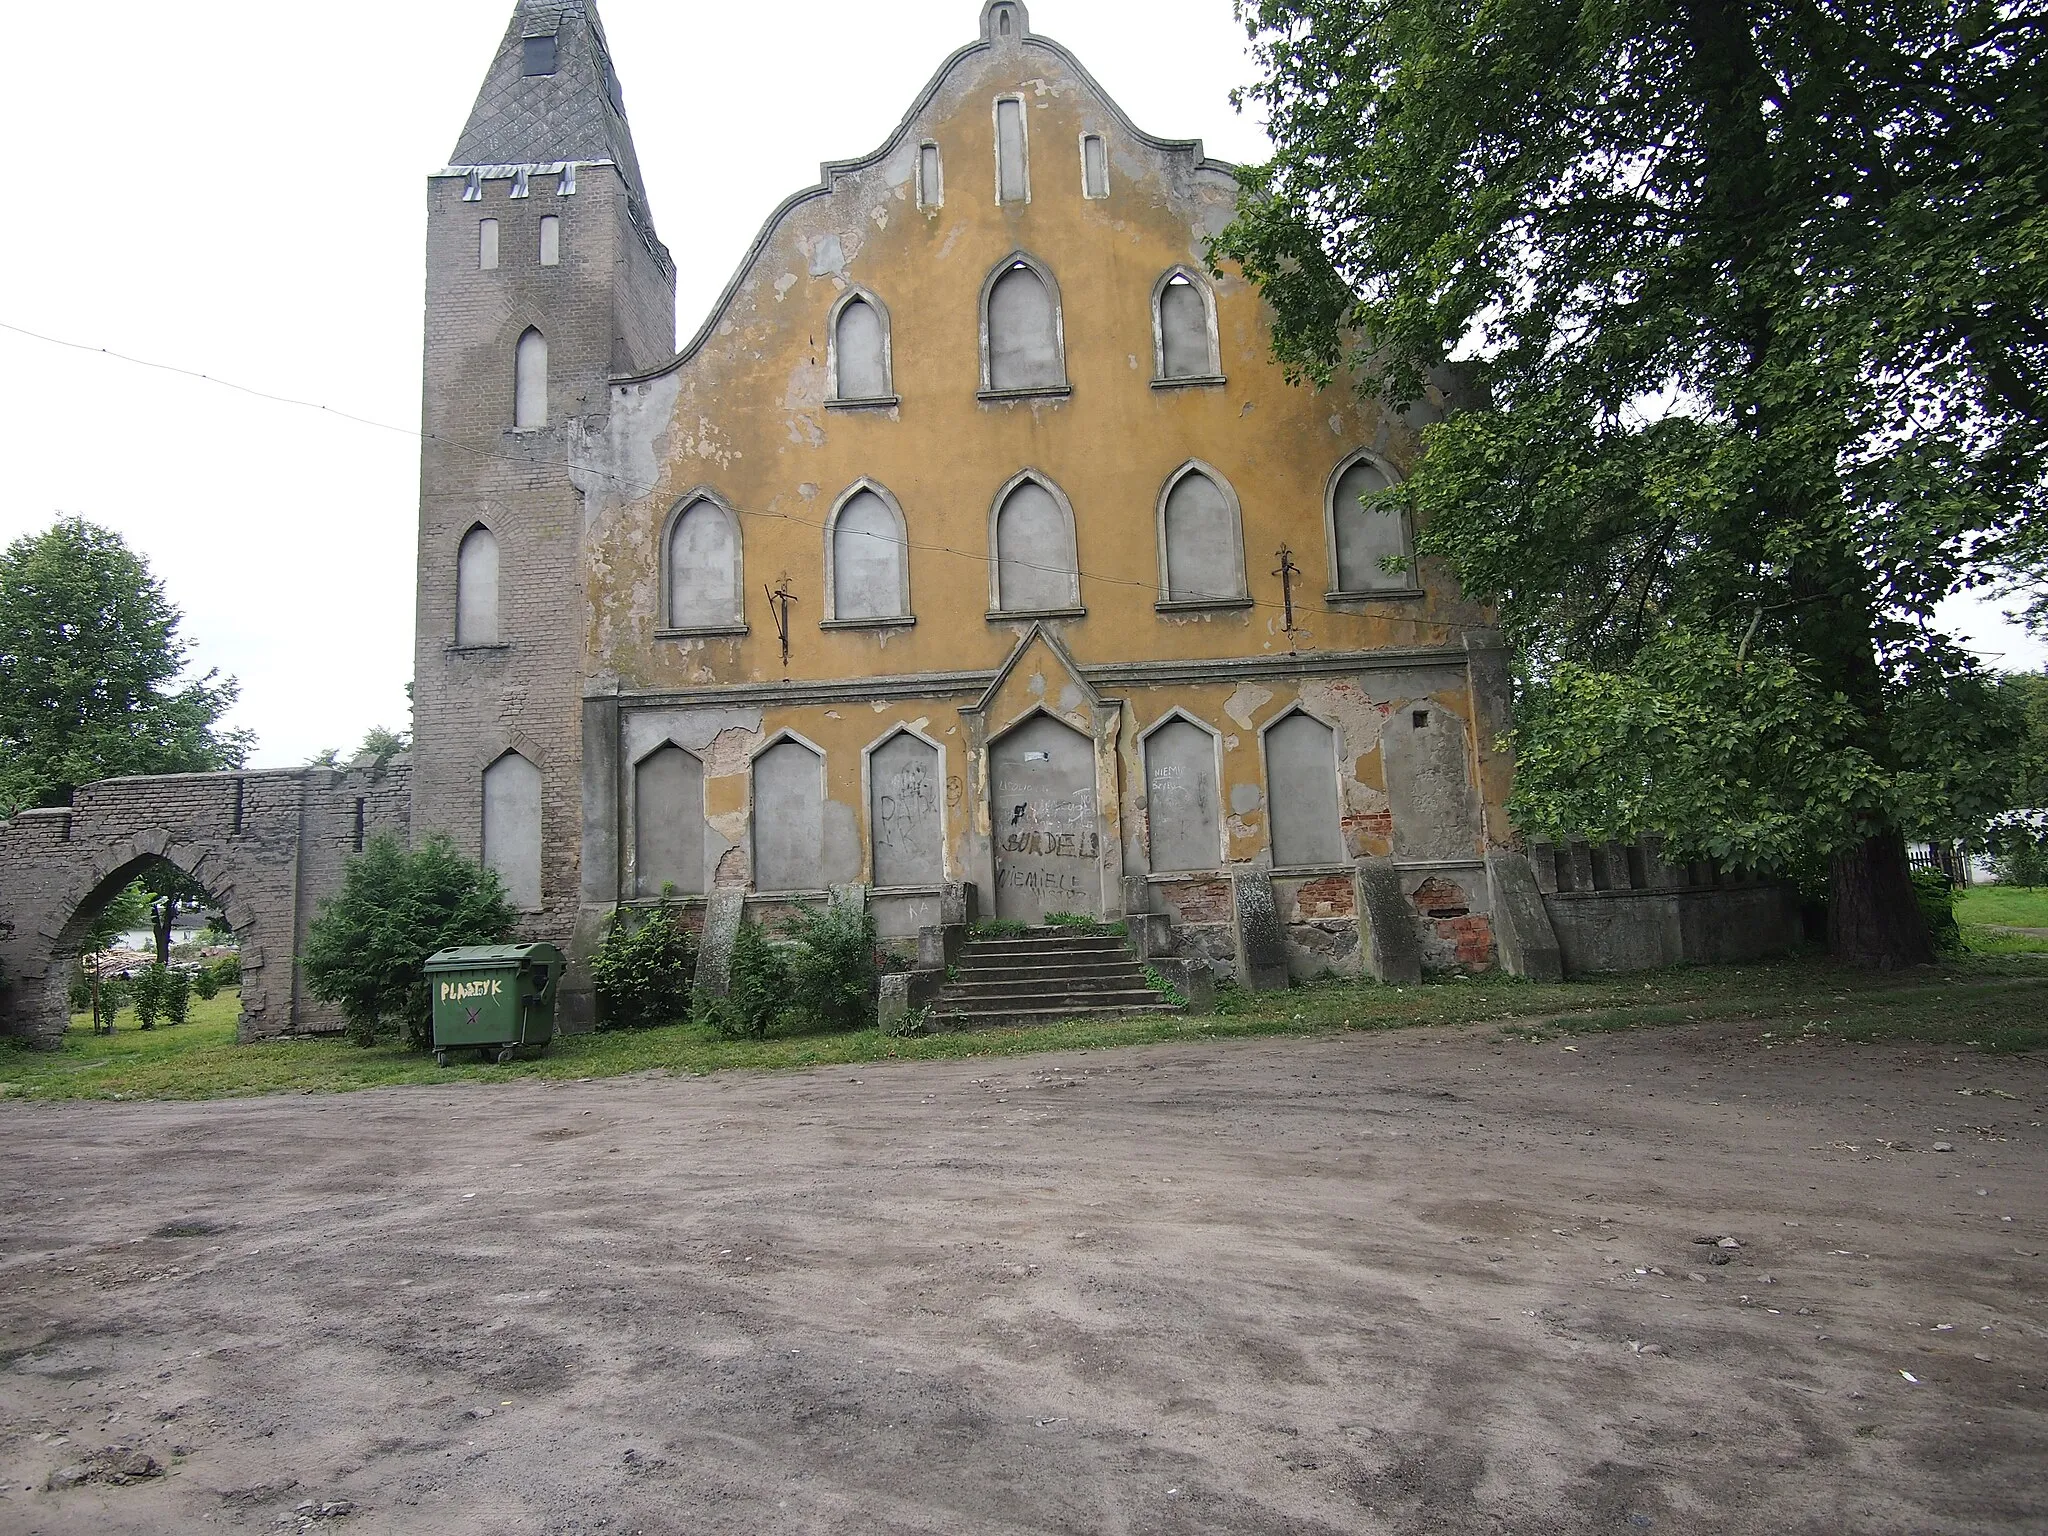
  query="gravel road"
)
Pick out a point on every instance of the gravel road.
point(1415, 1283)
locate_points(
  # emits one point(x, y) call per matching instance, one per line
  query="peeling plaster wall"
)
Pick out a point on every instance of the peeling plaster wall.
point(745, 413)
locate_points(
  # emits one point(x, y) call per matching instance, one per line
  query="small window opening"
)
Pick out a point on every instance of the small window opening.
point(359, 825)
point(551, 240)
point(487, 246)
point(538, 55)
point(931, 184)
point(241, 791)
point(530, 382)
point(1095, 167)
point(1003, 23)
point(1013, 174)
point(1421, 718)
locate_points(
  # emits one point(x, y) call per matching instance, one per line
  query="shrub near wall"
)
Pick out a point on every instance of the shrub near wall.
point(644, 972)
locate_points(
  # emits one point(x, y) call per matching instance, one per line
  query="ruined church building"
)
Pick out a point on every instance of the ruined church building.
point(1024, 465)
point(944, 560)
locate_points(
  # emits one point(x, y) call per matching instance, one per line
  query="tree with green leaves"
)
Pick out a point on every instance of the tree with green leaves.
point(1737, 311)
point(367, 948)
point(92, 672)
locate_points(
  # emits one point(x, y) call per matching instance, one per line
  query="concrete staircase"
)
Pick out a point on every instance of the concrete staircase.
point(1045, 976)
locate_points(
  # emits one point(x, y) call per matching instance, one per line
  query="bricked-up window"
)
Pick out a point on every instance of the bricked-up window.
point(1202, 539)
point(869, 551)
point(789, 818)
point(1301, 793)
point(538, 55)
point(860, 351)
point(512, 828)
point(1013, 152)
point(668, 822)
point(1094, 166)
point(1037, 570)
point(1363, 538)
point(551, 240)
point(1183, 330)
point(530, 383)
point(1183, 809)
point(487, 245)
point(931, 177)
point(706, 587)
point(476, 588)
point(1023, 340)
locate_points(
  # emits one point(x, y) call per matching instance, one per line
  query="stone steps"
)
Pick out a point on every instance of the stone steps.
point(1046, 976)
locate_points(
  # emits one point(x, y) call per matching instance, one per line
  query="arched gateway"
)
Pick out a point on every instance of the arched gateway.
point(268, 846)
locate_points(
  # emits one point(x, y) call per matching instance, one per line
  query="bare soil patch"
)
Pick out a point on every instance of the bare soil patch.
point(1365, 1283)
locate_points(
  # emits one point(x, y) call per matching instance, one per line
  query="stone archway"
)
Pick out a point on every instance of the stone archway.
point(268, 846)
point(46, 1012)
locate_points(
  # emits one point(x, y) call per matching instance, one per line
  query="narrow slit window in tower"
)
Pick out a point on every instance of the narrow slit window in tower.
point(530, 387)
point(487, 245)
point(551, 240)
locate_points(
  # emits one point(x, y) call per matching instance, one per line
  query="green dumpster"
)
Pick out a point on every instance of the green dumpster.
point(494, 998)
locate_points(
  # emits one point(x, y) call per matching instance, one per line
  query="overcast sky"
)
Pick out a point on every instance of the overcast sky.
point(238, 190)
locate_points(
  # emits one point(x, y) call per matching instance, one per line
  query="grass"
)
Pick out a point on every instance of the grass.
point(1986, 1003)
point(2008, 906)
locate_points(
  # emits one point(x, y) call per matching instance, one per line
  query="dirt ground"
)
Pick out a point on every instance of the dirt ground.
point(1410, 1283)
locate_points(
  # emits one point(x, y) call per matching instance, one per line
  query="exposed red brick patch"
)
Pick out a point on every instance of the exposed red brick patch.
point(1330, 896)
point(1441, 898)
point(1200, 901)
point(1472, 937)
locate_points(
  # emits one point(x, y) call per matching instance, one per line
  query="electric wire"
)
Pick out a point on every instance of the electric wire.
point(633, 492)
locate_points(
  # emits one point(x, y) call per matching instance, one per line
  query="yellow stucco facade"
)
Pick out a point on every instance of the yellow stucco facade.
point(1035, 747)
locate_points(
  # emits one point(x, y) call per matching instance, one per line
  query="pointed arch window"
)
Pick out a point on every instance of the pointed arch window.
point(511, 829)
point(1183, 805)
point(530, 383)
point(1036, 569)
point(1363, 537)
point(867, 561)
point(1302, 804)
point(1201, 541)
point(1184, 339)
point(704, 569)
point(907, 811)
point(858, 341)
point(476, 589)
point(789, 816)
point(1023, 336)
point(668, 822)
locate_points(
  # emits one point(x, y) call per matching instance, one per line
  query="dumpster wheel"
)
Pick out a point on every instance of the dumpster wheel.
point(507, 1054)
point(440, 1058)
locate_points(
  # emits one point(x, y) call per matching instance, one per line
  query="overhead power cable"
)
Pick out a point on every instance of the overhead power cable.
point(631, 491)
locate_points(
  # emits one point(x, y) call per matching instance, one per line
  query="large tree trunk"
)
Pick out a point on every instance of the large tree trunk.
point(1874, 918)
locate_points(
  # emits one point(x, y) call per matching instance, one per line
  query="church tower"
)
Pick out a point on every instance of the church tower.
point(544, 279)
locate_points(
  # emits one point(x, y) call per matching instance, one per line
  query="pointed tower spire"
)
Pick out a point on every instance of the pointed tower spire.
point(552, 96)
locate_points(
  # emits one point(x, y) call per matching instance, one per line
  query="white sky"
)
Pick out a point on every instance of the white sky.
point(240, 190)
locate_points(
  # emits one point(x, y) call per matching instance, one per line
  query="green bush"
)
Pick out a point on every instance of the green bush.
point(227, 970)
point(205, 984)
point(146, 991)
point(644, 972)
point(758, 992)
point(1937, 894)
point(79, 995)
point(366, 950)
point(833, 973)
point(176, 992)
point(2022, 864)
